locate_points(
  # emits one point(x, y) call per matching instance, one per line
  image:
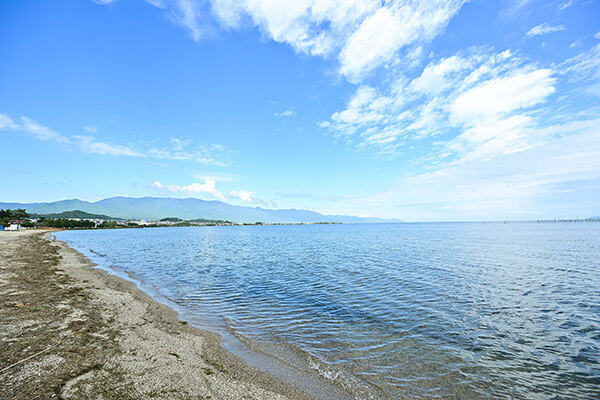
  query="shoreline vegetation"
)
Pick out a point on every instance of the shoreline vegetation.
point(78, 219)
point(73, 331)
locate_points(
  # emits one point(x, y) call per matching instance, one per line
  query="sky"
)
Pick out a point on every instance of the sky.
point(422, 110)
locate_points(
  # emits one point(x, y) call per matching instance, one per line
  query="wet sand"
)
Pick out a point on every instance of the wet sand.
point(71, 331)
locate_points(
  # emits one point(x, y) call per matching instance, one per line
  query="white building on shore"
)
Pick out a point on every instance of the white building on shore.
point(13, 226)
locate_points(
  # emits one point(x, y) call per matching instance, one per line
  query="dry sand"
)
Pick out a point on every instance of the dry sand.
point(71, 331)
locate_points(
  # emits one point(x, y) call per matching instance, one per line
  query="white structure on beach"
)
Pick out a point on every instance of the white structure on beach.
point(13, 226)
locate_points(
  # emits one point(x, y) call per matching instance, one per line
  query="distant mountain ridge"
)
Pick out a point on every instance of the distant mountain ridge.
point(155, 208)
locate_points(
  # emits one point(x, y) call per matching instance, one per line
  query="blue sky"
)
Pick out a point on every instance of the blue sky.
point(419, 110)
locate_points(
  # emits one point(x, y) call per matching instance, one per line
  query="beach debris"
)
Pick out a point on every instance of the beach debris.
point(18, 304)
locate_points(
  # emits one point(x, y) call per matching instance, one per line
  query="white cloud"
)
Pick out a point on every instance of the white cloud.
point(179, 149)
point(216, 176)
point(391, 28)
point(6, 122)
point(512, 142)
point(502, 126)
point(89, 144)
point(565, 5)
point(315, 27)
point(518, 4)
point(32, 128)
point(361, 34)
point(473, 93)
point(437, 77)
point(285, 114)
point(191, 15)
point(208, 187)
point(584, 66)
point(500, 96)
point(517, 185)
point(39, 131)
point(543, 29)
point(493, 115)
point(577, 43)
point(90, 129)
point(556, 174)
point(248, 197)
point(180, 144)
point(365, 108)
point(375, 41)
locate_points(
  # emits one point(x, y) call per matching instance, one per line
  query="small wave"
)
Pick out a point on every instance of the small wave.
point(358, 388)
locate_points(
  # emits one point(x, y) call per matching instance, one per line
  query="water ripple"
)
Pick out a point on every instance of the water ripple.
point(409, 310)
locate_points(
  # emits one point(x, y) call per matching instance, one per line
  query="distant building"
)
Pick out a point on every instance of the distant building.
point(14, 225)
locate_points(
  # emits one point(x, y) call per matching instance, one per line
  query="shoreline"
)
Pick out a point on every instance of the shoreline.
point(128, 344)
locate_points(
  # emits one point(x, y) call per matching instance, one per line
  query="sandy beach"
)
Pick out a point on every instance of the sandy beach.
point(75, 332)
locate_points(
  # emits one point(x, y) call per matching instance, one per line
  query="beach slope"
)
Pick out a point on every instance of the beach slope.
point(71, 331)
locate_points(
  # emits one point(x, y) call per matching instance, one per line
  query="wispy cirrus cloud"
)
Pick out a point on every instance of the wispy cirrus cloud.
point(565, 4)
point(211, 154)
point(87, 144)
point(177, 149)
point(38, 131)
point(544, 29)
point(91, 145)
point(286, 113)
point(526, 182)
point(190, 15)
point(585, 66)
point(6, 122)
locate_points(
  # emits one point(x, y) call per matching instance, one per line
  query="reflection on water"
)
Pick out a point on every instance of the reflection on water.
point(477, 310)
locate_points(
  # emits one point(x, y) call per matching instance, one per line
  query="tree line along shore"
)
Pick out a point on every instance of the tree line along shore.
point(78, 219)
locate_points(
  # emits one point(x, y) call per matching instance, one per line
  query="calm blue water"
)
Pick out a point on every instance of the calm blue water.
point(465, 310)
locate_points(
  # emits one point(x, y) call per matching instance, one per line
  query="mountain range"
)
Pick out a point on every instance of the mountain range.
point(154, 208)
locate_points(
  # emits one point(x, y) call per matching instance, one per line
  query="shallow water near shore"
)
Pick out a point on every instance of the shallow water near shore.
point(453, 310)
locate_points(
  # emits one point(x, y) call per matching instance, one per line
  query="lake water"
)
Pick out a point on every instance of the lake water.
point(449, 310)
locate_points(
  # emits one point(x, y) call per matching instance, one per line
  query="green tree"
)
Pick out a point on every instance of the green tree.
point(8, 215)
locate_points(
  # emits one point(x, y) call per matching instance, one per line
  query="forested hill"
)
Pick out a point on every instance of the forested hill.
point(73, 214)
